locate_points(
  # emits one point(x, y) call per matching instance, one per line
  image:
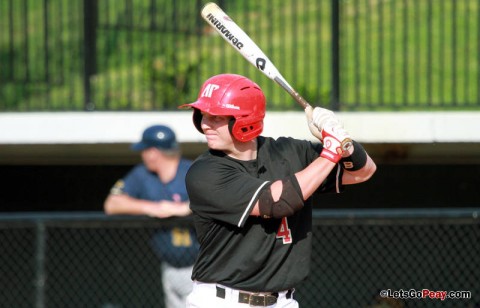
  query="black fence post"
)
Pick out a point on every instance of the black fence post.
point(335, 94)
point(90, 18)
point(40, 272)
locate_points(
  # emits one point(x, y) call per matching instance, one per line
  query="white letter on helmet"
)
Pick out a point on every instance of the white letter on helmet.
point(207, 92)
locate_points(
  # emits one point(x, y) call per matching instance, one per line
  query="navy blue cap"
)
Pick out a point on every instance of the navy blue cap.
point(157, 136)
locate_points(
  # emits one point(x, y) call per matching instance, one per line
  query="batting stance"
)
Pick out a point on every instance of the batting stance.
point(251, 195)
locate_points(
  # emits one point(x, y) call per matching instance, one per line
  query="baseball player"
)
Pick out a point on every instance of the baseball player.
point(250, 195)
point(156, 188)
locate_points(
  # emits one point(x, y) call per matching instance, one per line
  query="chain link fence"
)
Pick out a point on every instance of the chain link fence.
point(93, 260)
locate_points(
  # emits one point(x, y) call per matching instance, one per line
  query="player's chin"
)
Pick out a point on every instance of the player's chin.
point(210, 141)
point(215, 144)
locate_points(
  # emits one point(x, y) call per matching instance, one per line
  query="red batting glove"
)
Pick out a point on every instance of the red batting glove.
point(336, 141)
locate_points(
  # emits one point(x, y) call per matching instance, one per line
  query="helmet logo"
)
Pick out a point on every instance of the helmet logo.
point(208, 91)
point(232, 106)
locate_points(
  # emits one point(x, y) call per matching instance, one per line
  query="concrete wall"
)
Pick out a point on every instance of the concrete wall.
point(104, 137)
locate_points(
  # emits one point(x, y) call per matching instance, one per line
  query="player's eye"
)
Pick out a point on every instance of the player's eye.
point(215, 118)
point(219, 119)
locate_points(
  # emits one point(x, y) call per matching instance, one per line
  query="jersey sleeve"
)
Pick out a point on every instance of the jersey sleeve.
point(220, 190)
point(129, 184)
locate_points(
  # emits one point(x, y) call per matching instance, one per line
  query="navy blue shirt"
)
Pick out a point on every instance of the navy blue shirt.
point(177, 246)
point(140, 183)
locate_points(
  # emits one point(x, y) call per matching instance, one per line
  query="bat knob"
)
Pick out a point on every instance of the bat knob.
point(346, 144)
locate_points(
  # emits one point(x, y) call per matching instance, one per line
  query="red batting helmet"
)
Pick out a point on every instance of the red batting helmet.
point(232, 95)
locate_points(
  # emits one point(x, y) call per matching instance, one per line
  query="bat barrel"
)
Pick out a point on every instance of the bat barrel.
point(243, 44)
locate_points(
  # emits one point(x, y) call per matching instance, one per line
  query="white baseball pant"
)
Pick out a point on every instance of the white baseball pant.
point(208, 295)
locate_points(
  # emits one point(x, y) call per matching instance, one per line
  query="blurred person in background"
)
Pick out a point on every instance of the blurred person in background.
point(156, 188)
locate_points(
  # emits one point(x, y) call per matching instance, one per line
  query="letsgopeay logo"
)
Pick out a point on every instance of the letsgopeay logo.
point(226, 33)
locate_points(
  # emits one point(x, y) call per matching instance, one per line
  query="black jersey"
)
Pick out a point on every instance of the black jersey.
point(248, 252)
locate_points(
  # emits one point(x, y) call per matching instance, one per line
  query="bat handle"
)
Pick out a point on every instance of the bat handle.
point(346, 144)
point(297, 97)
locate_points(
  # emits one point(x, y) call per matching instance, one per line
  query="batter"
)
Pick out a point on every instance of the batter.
point(251, 195)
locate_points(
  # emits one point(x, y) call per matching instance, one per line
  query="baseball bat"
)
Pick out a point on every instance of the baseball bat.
point(241, 42)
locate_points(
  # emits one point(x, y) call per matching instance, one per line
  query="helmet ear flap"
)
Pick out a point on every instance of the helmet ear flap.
point(243, 129)
point(197, 119)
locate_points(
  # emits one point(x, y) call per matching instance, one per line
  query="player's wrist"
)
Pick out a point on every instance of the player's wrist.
point(357, 158)
point(146, 209)
point(149, 207)
point(331, 156)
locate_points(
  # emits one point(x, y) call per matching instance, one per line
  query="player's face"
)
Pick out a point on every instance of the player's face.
point(216, 131)
point(149, 157)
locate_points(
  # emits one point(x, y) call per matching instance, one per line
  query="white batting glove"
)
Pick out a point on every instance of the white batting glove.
point(313, 129)
point(317, 118)
point(336, 141)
